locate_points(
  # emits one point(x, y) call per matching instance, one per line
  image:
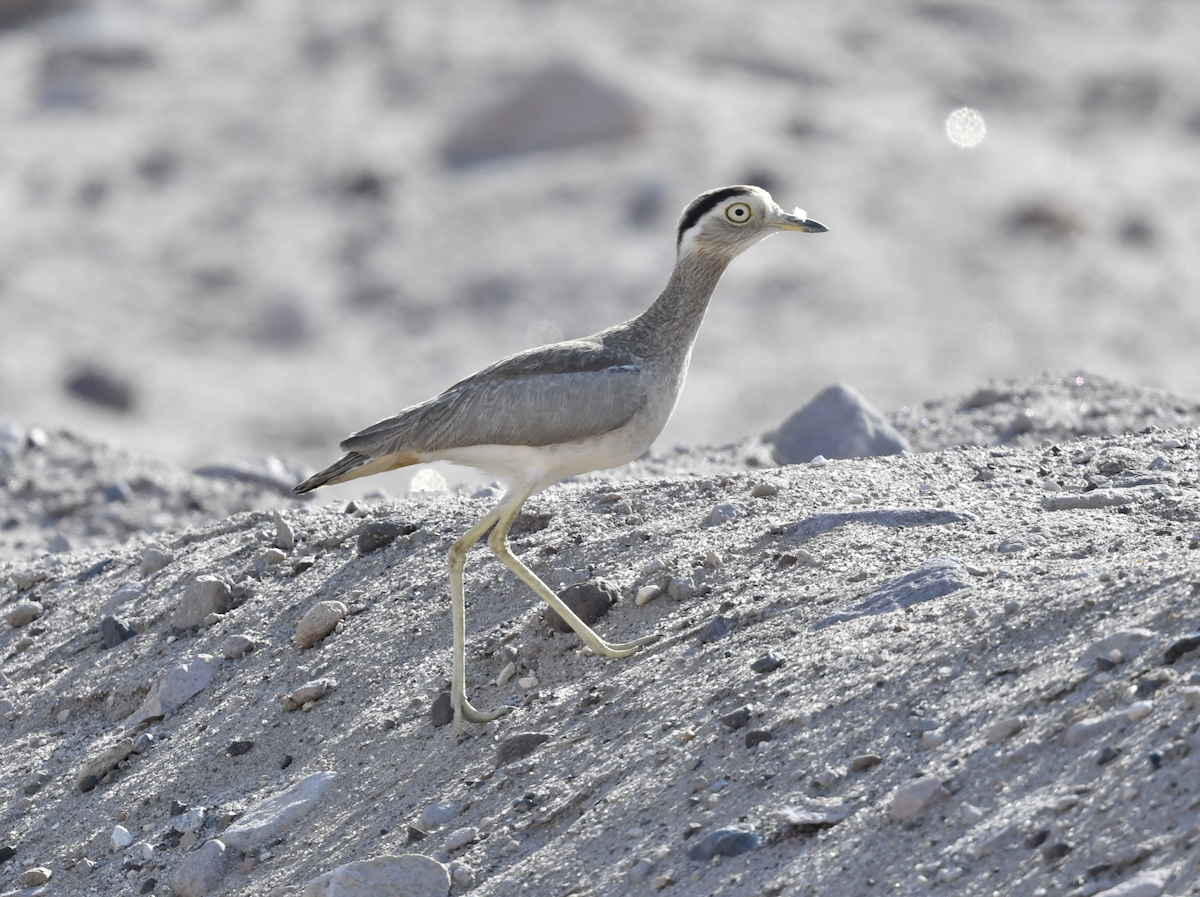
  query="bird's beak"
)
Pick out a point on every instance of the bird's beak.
point(797, 220)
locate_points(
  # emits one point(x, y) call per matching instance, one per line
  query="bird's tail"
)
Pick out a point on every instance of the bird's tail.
point(354, 465)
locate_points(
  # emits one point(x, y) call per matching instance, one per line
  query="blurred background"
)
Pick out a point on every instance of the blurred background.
point(234, 228)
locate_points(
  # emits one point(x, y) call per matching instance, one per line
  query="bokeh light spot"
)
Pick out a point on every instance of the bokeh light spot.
point(965, 128)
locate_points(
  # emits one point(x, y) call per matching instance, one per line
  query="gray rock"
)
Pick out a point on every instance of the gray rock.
point(99, 385)
point(153, 560)
point(725, 842)
point(736, 719)
point(113, 632)
point(724, 512)
point(558, 107)
point(717, 628)
point(318, 621)
point(23, 613)
point(1145, 884)
point(12, 436)
point(514, 747)
point(589, 600)
point(410, 875)
point(936, 578)
point(129, 591)
point(177, 686)
point(915, 797)
point(94, 769)
point(312, 690)
point(237, 645)
point(1089, 728)
point(1180, 647)
point(273, 816)
point(36, 876)
point(768, 663)
point(460, 838)
point(1098, 498)
point(204, 595)
point(838, 423)
point(436, 815)
point(202, 870)
point(382, 533)
point(58, 544)
point(441, 711)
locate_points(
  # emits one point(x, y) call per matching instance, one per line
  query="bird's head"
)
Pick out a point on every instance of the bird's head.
point(729, 220)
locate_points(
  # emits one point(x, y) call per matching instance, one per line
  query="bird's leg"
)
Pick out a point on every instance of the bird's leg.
point(458, 687)
point(498, 542)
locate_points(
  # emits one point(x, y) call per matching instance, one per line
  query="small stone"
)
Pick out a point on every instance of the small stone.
point(62, 716)
point(640, 870)
point(915, 797)
point(1108, 753)
point(712, 559)
point(723, 513)
point(382, 533)
point(728, 842)
point(410, 874)
point(462, 874)
point(646, 594)
point(1004, 728)
point(35, 876)
point(768, 663)
point(153, 560)
point(507, 673)
point(970, 814)
point(100, 385)
point(436, 815)
point(278, 813)
point(23, 613)
point(1065, 803)
point(441, 711)
point(143, 742)
point(201, 871)
point(1055, 851)
point(1011, 606)
point(318, 621)
point(681, 588)
point(756, 737)
point(763, 490)
point(661, 881)
point(460, 838)
point(237, 748)
point(94, 770)
point(188, 840)
point(736, 719)
point(588, 600)
point(514, 747)
point(932, 739)
point(528, 682)
point(970, 614)
point(120, 837)
point(7, 852)
point(865, 762)
point(204, 595)
point(717, 628)
point(1189, 697)
point(1139, 710)
point(284, 537)
point(237, 645)
point(274, 556)
point(1185, 645)
point(1089, 728)
point(1051, 486)
point(113, 632)
point(313, 690)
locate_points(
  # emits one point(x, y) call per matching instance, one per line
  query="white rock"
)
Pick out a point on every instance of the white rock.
point(272, 816)
point(312, 690)
point(177, 686)
point(237, 645)
point(120, 837)
point(153, 560)
point(99, 765)
point(970, 814)
point(204, 595)
point(1144, 884)
point(23, 613)
point(437, 815)
point(189, 821)
point(510, 670)
point(528, 682)
point(933, 739)
point(1089, 728)
point(1189, 697)
point(460, 838)
point(1004, 728)
point(38, 875)
point(318, 621)
point(915, 797)
point(202, 870)
point(410, 875)
point(646, 594)
point(130, 591)
point(1139, 710)
point(284, 537)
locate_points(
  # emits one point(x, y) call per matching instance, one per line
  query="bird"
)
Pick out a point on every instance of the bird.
point(568, 408)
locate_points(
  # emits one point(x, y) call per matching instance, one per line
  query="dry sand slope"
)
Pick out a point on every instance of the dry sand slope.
point(962, 671)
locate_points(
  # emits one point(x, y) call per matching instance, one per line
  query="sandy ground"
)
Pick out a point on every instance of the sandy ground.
point(968, 671)
point(243, 208)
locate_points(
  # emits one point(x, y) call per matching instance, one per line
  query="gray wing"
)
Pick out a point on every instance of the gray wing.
point(557, 393)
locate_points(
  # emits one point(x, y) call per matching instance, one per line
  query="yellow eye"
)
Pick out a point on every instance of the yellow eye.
point(738, 213)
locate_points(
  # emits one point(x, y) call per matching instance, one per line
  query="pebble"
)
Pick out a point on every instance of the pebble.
point(202, 870)
point(915, 797)
point(129, 591)
point(120, 838)
point(1189, 697)
point(507, 673)
point(313, 690)
point(864, 762)
point(153, 560)
point(113, 632)
point(727, 842)
point(970, 814)
point(23, 613)
point(646, 594)
point(737, 719)
point(441, 711)
point(589, 600)
point(756, 737)
point(1004, 728)
point(237, 645)
point(712, 559)
point(177, 686)
point(37, 875)
point(768, 663)
point(1011, 607)
point(204, 595)
point(95, 769)
point(237, 748)
point(1089, 728)
point(933, 739)
point(412, 875)
point(436, 815)
point(723, 513)
point(284, 537)
point(1139, 710)
point(1185, 645)
point(681, 588)
point(278, 813)
point(318, 621)
point(661, 881)
point(380, 534)
point(515, 747)
point(717, 628)
point(460, 838)
point(640, 870)
point(274, 556)
point(528, 682)
point(143, 742)
point(763, 490)
point(462, 874)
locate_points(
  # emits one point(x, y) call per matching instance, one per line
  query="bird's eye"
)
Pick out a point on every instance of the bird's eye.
point(738, 213)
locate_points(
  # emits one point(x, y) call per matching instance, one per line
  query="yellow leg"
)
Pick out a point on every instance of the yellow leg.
point(458, 684)
point(498, 542)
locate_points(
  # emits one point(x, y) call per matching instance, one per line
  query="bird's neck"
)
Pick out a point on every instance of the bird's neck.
point(668, 328)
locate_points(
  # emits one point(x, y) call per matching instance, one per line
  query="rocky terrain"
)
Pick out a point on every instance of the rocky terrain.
point(968, 670)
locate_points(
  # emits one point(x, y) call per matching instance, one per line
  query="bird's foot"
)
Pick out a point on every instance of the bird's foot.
point(624, 649)
point(465, 711)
